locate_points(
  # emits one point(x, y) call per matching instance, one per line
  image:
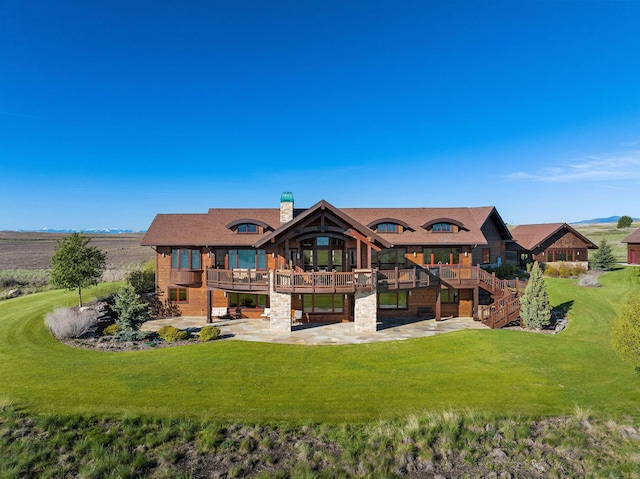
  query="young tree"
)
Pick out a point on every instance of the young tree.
point(75, 264)
point(625, 335)
point(624, 221)
point(535, 308)
point(603, 259)
point(132, 312)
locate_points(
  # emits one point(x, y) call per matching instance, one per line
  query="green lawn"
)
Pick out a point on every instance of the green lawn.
point(496, 372)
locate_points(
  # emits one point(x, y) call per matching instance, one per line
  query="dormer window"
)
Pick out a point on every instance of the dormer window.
point(444, 225)
point(247, 228)
point(387, 228)
point(389, 225)
point(441, 228)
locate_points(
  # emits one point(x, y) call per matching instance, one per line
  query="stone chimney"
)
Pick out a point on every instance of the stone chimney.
point(286, 207)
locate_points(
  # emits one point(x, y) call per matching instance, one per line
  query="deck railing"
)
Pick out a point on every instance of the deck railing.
point(288, 281)
point(416, 277)
point(238, 279)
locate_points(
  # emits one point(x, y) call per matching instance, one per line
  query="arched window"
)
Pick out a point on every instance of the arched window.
point(247, 228)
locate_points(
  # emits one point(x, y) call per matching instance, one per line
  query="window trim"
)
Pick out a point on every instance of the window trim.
point(177, 290)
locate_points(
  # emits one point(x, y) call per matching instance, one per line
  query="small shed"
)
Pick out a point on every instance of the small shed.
point(633, 247)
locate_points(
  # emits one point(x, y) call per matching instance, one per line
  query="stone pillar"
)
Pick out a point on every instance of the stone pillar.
point(280, 303)
point(365, 314)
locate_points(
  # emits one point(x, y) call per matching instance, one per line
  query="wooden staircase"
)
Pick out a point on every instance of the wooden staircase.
point(506, 293)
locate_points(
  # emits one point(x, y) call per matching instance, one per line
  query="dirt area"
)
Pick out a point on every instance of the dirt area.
point(29, 250)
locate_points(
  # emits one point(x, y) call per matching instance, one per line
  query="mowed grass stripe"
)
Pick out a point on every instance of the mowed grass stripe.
point(497, 372)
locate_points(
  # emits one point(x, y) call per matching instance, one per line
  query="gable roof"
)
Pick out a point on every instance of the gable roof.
point(320, 206)
point(634, 237)
point(532, 236)
point(212, 228)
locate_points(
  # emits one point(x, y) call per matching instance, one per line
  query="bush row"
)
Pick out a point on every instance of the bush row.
point(564, 271)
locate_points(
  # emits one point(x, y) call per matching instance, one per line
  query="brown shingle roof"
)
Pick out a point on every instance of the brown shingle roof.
point(634, 237)
point(210, 229)
point(532, 236)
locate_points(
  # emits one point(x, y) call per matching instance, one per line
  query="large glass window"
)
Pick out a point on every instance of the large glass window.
point(185, 258)
point(247, 300)
point(323, 303)
point(247, 259)
point(441, 255)
point(392, 300)
point(389, 258)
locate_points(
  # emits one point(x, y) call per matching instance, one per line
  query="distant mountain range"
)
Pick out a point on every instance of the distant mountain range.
point(610, 219)
point(103, 231)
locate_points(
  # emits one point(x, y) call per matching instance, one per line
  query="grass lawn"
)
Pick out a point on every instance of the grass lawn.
point(494, 372)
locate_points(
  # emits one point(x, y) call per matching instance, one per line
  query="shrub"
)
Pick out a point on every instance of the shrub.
point(143, 277)
point(551, 271)
point(171, 334)
point(589, 280)
point(68, 323)
point(578, 270)
point(625, 335)
point(564, 271)
point(504, 271)
point(112, 330)
point(209, 333)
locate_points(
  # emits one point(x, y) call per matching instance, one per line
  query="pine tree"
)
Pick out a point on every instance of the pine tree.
point(603, 259)
point(132, 312)
point(535, 308)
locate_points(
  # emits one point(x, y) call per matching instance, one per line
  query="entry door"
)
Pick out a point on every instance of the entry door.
point(632, 256)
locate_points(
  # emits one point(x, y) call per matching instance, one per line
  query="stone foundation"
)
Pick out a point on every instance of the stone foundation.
point(280, 303)
point(366, 311)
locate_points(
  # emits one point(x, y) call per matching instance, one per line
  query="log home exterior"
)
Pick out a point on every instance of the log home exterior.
point(633, 247)
point(334, 264)
point(552, 243)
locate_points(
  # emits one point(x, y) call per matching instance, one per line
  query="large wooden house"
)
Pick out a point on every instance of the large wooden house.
point(633, 247)
point(551, 244)
point(324, 263)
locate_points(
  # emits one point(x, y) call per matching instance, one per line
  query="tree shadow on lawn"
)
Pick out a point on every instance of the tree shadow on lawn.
point(563, 308)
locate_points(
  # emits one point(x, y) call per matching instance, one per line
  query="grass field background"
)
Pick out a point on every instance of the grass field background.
point(495, 372)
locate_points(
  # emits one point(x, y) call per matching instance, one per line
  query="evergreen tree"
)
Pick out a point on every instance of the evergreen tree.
point(132, 312)
point(75, 264)
point(603, 259)
point(625, 334)
point(535, 308)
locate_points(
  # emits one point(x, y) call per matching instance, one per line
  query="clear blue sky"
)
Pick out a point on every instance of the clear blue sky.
point(113, 111)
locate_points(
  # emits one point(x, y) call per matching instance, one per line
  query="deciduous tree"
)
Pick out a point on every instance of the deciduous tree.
point(75, 264)
point(624, 221)
point(625, 335)
point(535, 308)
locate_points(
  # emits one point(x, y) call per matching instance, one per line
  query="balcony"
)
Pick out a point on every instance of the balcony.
point(238, 279)
point(185, 277)
point(287, 281)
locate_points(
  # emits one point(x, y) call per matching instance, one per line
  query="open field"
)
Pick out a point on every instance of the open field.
point(28, 250)
point(595, 232)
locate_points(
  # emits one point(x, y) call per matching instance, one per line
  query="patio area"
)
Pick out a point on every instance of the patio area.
point(319, 333)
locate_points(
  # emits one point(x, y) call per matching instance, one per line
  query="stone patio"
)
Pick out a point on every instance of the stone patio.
point(320, 333)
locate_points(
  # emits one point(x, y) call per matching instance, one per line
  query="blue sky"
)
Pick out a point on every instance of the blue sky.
point(113, 111)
